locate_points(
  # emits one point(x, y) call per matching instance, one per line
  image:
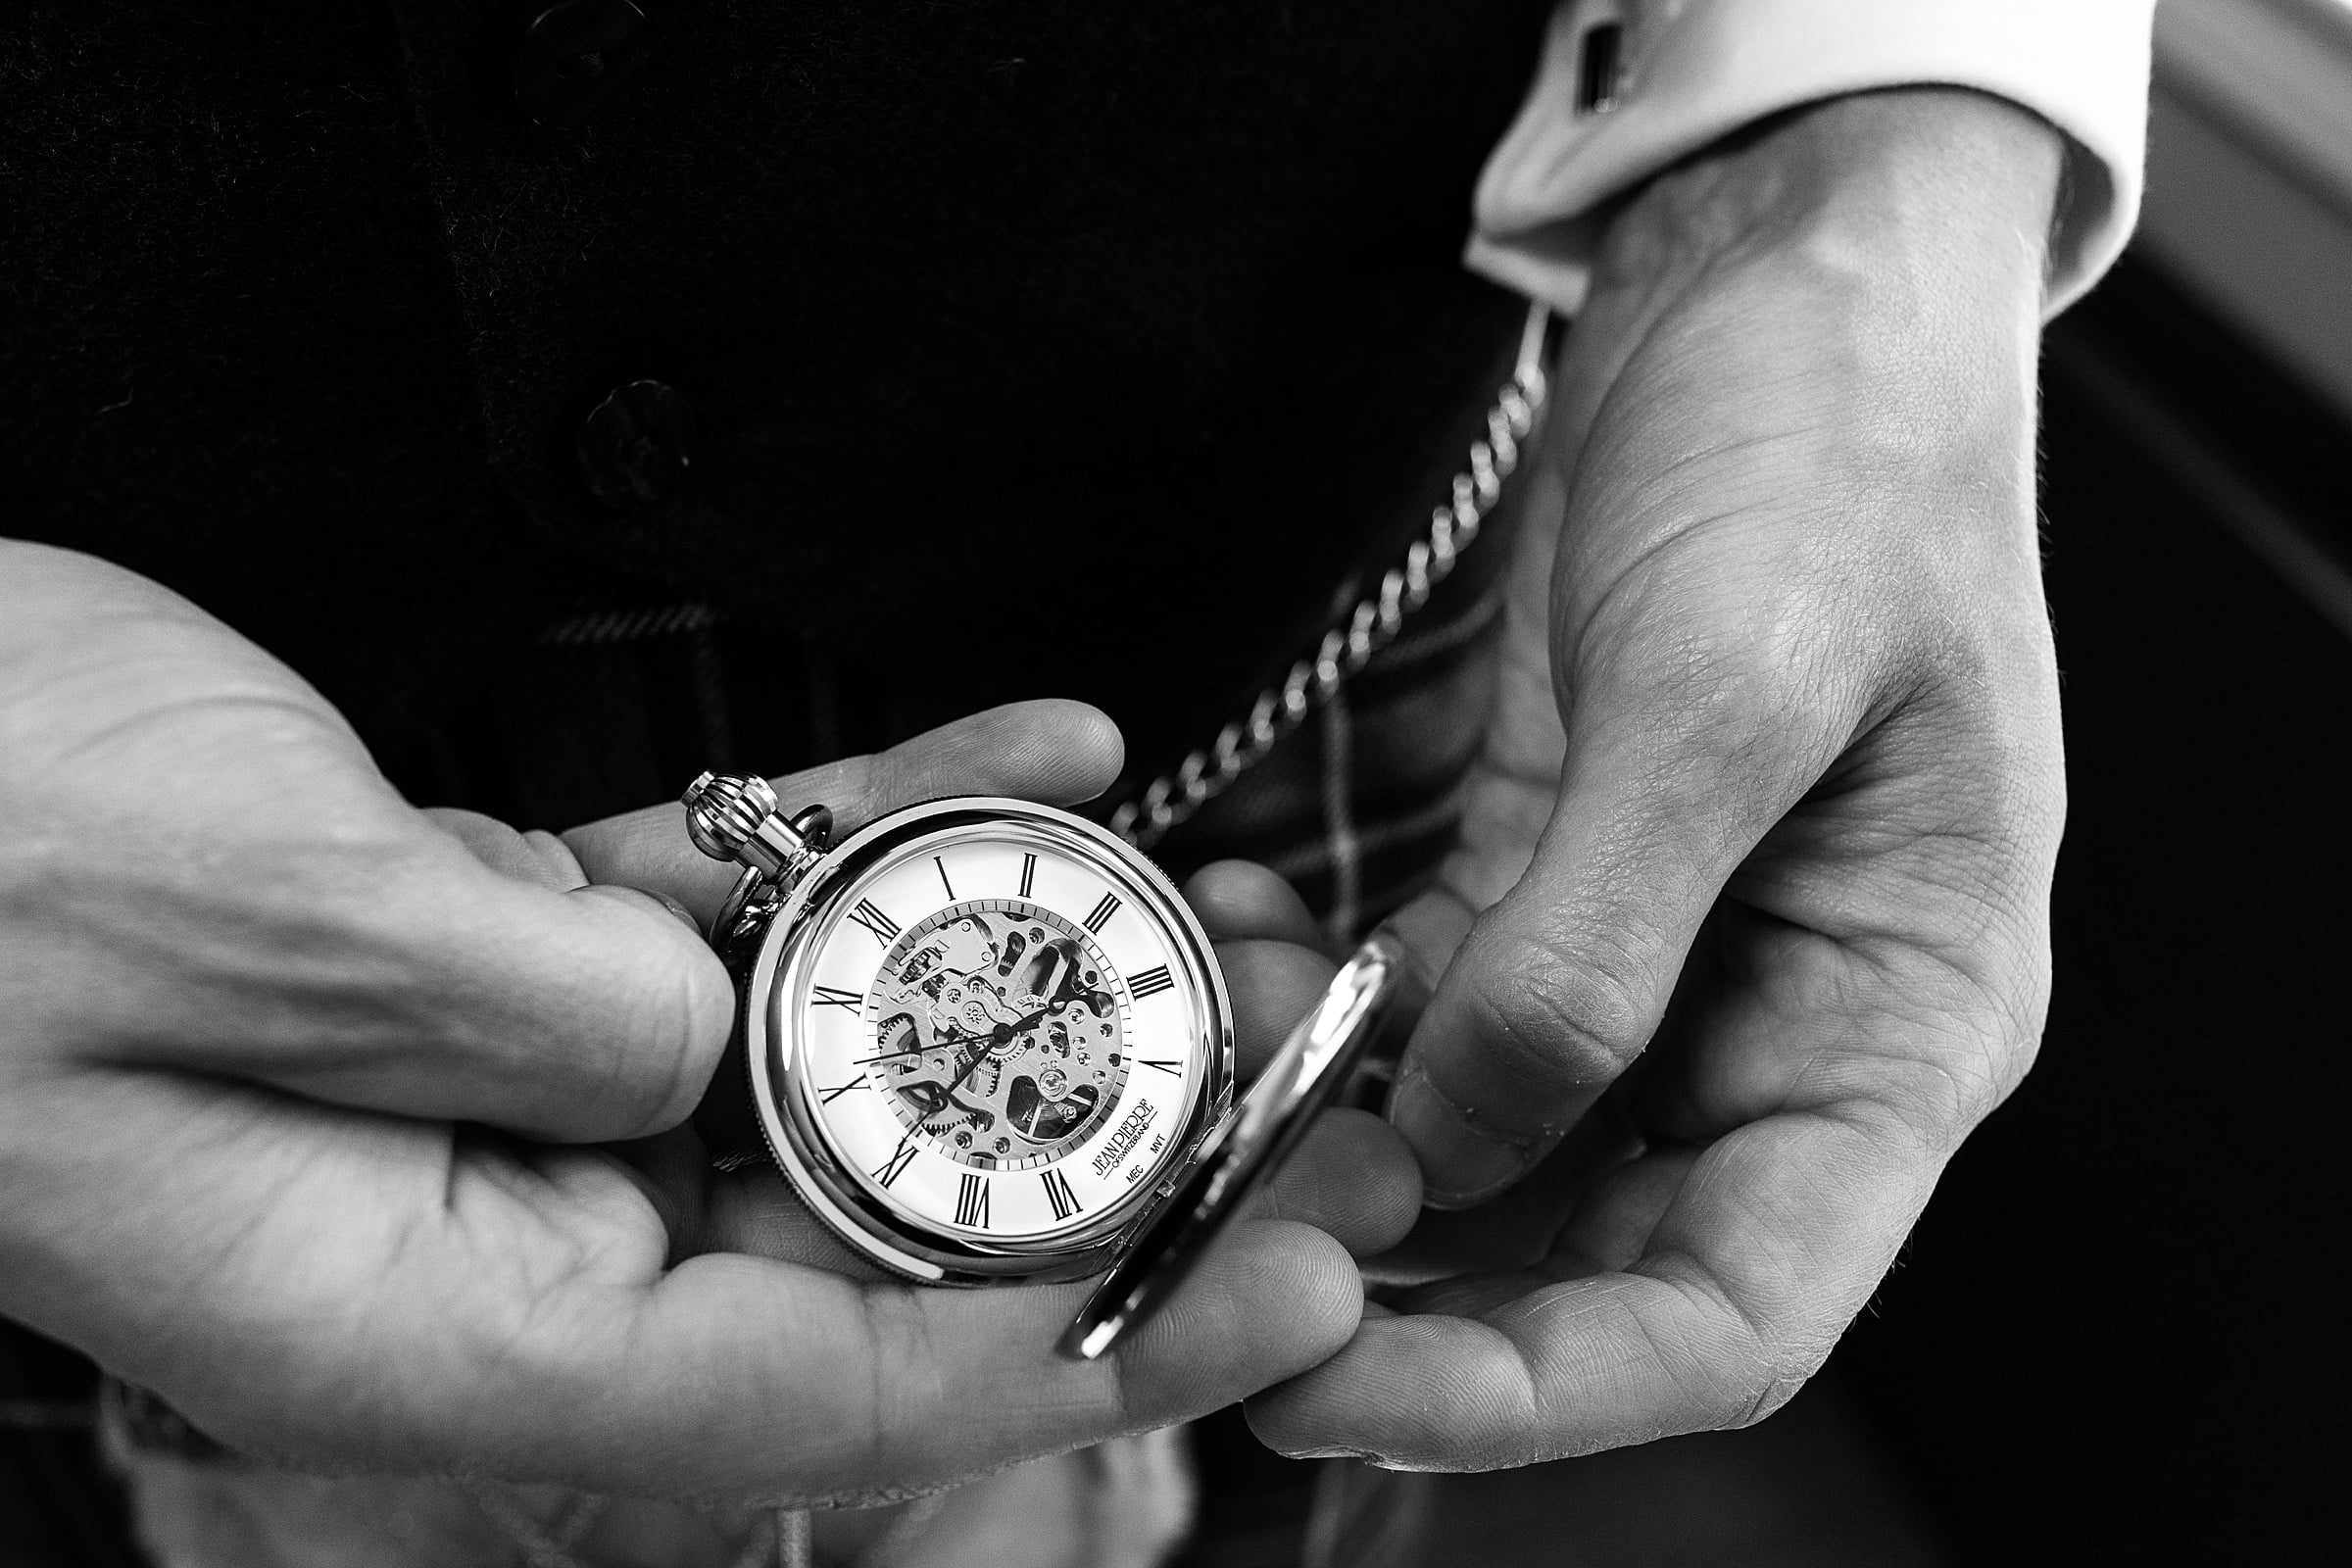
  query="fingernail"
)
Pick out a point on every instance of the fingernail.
point(1461, 1163)
point(1365, 1454)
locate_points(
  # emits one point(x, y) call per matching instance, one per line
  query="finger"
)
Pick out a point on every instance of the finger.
point(1238, 899)
point(1516, 1229)
point(394, 969)
point(1352, 1178)
point(584, 1016)
point(1672, 777)
point(535, 856)
point(1768, 1247)
point(263, 906)
point(672, 1171)
point(639, 898)
point(1610, 1223)
point(538, 856)
point(1059, 753)
point(1273, 984)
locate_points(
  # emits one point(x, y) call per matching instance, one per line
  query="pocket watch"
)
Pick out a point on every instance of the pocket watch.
point(987, 1042)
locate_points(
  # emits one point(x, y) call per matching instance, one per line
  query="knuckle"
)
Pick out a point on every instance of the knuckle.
point(648, 1073)
point(1970, 1043)
point(1735, 1366)
point(1566, 1019)
point(1777, 1373)
point(1727, 725)
point(553, 859)
point(1742, 688)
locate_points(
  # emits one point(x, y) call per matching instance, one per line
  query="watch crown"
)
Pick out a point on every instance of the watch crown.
point(734, 817)
point(724, 809)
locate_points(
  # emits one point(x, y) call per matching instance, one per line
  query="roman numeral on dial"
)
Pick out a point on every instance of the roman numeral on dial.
point(834, 997)
point(896, 1167)
point(884, 928)
point(1102, 912)
point(1151, 983)
point(1028, 873)
point(971, 1200)
point(1057, 1193)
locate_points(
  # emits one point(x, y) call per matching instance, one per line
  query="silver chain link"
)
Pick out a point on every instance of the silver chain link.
point(1367, 628)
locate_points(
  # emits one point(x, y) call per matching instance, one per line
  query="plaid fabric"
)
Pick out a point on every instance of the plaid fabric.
point(1357, 806)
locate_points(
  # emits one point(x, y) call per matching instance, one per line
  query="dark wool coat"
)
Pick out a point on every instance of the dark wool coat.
point(1028, 348)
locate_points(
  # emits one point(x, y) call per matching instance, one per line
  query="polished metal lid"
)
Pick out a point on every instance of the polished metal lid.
point(1315, 1064)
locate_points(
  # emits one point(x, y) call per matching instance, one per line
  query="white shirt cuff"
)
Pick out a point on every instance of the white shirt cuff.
point(1695, 70)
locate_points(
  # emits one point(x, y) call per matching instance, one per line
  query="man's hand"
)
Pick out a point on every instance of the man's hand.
point(312, 1111)
point(1752, 903)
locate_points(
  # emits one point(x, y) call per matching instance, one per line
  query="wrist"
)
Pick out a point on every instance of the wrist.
point(1911, 203)
point(1865, 273)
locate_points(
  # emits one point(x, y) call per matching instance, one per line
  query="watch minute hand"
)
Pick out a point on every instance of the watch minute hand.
point(918, 1051)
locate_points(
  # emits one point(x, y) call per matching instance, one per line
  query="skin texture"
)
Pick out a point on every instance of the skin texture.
point(247, 989)
point(1749, 925)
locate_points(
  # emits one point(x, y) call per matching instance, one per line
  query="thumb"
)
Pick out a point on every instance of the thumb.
point(1559, 985)
point(400, 972)
point(483, 975)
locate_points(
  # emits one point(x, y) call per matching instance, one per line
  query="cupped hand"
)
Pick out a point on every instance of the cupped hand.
point(1750, 922)
point(353, 1130)
point(980, 1367)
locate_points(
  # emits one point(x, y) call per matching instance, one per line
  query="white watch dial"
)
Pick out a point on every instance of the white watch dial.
point(999, 1038)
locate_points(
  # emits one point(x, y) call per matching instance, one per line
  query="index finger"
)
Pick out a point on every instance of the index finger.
point(1671, 777)
point(1058, 752)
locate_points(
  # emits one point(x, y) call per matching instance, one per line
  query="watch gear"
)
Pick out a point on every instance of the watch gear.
point(998, 1037)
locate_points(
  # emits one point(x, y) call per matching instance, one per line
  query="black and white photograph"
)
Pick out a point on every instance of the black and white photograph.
point(1173, 783)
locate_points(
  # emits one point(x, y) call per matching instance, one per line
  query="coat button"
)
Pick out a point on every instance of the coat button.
point(634, 445)
point(577, 57)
